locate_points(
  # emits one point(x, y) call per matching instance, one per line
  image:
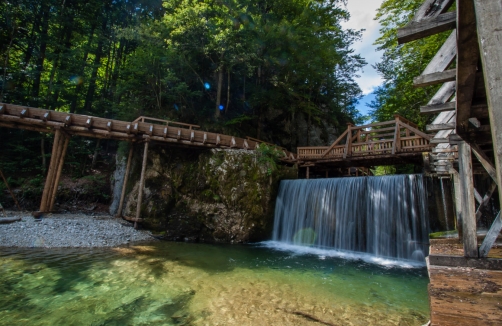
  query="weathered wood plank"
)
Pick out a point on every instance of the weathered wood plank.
point(441, 126)
point(427, 27)
point(489, 28)
point(485, 162)
point(491, 236)
point(468, 213)
point(432, 8)
point(141, 184)
point(436, 108)
point(435, 78)
point(467, 63)
point(444, 57)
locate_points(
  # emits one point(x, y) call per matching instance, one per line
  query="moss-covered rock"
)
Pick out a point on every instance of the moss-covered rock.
point(209, 195)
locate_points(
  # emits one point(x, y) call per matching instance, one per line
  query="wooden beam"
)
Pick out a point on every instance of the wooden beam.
point(436, 108)
point(58, 173)
point(467, 63)
point(44, 205)
point(141, 184)
point(489, 28)
point(427, 27)
point(441, 126)
point(458, 202)
point(485, 162)
point(485, 200)
point(444, 57)
point(432, 8)
point(435, 78)
point(344, 134)
point(468, 211)
point(348, 143)
point(126, 177)
point(490, 237)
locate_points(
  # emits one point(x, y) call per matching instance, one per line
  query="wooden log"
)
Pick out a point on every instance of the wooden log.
point(489, 28)
point(44, 205)
point(444, 57)
point(490, 237)
point(467, 63)
point(435, 78)
point(132, 219)
point(126, 178)
point(441, 126)
point(7, 220)
point(141, 184)
point(58, 174)
point(436, 108)
point(468, 211)
point(427, 27)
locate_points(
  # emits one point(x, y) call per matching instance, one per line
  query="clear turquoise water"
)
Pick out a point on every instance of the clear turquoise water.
point(166, 283)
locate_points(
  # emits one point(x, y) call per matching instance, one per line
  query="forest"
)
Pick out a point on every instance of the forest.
point(277, 70)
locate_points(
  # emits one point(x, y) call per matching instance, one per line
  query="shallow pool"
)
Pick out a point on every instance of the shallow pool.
point(167, 283)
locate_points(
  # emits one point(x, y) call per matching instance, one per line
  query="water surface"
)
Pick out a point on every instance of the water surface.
point(199, 284)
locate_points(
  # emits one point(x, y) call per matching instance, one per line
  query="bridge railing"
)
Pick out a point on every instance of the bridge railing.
point(382, 138)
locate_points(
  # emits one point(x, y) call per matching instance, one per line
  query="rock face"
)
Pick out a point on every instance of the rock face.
point(211, 195)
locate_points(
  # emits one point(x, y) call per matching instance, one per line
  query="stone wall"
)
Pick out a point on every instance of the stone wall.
point(207, 195)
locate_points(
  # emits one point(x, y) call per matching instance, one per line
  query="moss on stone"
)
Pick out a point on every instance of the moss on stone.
point(212, 195)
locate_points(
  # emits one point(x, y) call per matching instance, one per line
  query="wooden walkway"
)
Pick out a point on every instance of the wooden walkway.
point(382, 143)
point(142, 130)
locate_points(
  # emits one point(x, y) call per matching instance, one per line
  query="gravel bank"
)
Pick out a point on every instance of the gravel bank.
point(69, 230)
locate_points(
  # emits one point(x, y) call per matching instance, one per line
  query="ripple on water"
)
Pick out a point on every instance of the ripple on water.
point(177, 283)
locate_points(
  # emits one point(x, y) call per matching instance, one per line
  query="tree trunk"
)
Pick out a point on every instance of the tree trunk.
point(96, 153)
point(228, 91)
point(218, 93)
point(44, 159)
point(35, 91)
point(78, 88)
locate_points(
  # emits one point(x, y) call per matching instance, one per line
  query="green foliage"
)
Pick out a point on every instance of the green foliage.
point(270, 65)
point(383, 170)
point(400, 63)
point(269, 156)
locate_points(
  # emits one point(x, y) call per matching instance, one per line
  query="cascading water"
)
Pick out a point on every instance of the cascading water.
point(383, 216)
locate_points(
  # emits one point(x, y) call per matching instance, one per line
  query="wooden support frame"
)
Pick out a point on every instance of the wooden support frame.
point(467, 63)
point(444, 57)
point(491, 236)
point(489, 29)
point(468, 212)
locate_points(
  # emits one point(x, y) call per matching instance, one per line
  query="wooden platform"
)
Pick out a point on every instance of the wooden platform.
point(464, 291)
point(383, 143)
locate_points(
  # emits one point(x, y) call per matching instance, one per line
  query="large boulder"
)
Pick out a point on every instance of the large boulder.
point(207, 195)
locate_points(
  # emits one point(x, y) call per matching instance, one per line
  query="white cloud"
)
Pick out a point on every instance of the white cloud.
point(362, 14)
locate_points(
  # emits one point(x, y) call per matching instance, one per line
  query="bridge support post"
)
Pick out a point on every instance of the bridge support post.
point(124, 185)
point(468, 211)
point(59, 148)
point(141, 184)
point(308, 172)
point(458, 203)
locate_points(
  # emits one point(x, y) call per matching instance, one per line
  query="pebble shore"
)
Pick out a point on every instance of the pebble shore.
point(69, 230)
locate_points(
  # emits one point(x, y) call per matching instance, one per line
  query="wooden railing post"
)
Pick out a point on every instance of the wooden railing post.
point(348, 143)
point(396, 146)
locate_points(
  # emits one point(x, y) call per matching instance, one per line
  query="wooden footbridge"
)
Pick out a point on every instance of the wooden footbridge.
point(141, 130)
point(384, 143)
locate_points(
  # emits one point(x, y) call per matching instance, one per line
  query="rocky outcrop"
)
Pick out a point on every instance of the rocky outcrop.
point(211, 195)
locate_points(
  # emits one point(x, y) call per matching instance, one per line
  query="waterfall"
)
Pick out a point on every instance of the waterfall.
point(383, 216)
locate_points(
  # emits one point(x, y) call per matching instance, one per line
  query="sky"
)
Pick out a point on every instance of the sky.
point(362, 14)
